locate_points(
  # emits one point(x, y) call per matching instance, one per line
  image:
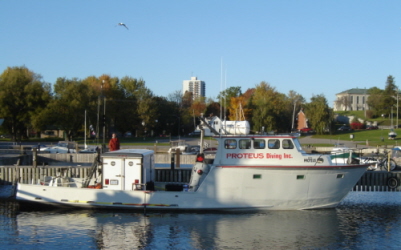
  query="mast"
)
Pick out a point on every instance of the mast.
point(85, 131)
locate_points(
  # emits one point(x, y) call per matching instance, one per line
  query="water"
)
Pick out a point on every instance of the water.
point(363, 221)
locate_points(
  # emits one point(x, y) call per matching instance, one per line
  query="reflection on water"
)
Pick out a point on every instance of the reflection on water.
point(363, 221)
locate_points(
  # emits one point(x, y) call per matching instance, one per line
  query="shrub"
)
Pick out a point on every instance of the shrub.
point(357, 125)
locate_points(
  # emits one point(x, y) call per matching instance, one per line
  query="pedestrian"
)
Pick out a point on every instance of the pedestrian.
point(114, 143)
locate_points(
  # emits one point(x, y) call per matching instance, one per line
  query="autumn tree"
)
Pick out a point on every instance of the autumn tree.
point(238, 109)
point(225, 96)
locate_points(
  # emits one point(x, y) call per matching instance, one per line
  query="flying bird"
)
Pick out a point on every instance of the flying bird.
point(123, 24)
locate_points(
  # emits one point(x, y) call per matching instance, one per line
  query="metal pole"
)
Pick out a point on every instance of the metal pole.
point(293, 115)
point(104, 109)
point(104, 124)
point(179, 127)
point(97, 125)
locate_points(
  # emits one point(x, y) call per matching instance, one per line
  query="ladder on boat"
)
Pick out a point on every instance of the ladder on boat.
point(92, 171)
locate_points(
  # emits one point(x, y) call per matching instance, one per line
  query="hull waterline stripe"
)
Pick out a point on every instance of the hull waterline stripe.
point(118, 203)
point(297, 167)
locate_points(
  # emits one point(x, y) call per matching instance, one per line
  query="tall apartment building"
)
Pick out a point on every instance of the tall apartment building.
point(197, 87)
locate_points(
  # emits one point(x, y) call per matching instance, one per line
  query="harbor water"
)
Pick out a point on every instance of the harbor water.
point(364, 220)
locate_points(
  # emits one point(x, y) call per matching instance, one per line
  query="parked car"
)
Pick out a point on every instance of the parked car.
point(306, 130)
point(371, 127)
point(344, 128)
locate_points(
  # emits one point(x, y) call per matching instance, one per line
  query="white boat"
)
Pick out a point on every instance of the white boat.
point(60, 148)
point(264, 172)
point(213, 125)
point(392, 135)
point(342, 154)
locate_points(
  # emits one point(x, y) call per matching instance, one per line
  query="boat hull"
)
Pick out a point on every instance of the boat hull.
point(225, 188)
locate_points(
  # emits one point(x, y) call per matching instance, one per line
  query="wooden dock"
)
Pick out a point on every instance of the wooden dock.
point(379, 181)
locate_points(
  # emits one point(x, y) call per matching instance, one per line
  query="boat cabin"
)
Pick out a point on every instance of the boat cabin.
point(128, 169)
point(264, 150)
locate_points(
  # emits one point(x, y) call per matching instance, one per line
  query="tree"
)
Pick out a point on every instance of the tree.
point(343, 101)
point(390, 94)
point(212, 109)
point(197, 108)
point(318, 113)
point(225, 98)
point(295, 101)
point(23, 97)
point(67, 110)
point(381, 101)
point(165, 120)
point(237, 109)
point(143, 111)
point(176, 97)
point(268, 107)
point(375, 101)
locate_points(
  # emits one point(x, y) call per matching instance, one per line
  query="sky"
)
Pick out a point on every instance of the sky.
point(312, 47)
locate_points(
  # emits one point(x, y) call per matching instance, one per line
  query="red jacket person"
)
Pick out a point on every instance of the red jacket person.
point(114, 143)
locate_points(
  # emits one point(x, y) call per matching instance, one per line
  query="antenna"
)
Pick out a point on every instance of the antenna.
point(221, 95)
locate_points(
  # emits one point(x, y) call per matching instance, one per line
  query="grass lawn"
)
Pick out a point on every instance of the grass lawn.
point(377, 137)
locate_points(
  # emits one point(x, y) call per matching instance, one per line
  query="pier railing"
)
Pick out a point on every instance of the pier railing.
point(25, 168)
point(379, 181)
point(29, 174)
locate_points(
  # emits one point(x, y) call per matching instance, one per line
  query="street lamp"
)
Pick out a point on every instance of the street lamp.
point(104, 116)
point(397, 105)
point(143, 124)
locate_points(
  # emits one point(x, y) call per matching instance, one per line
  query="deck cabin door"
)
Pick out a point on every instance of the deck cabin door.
point(113, 173)
point(133, 174)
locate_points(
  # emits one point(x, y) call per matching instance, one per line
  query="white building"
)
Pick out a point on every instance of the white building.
point(351, 99)
point(197, 87)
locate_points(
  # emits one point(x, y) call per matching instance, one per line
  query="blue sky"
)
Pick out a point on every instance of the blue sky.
point(311, 47)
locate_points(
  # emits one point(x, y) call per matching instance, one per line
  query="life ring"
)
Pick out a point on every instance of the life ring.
point(392, 182)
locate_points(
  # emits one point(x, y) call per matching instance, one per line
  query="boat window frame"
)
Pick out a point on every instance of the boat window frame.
point(244, 144)
point(273, 144)
point(259, 144)
point(290, 144)
point(230, 144)
point(297, 144)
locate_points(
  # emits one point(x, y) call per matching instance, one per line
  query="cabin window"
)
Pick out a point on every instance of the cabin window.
point(274, 143)
point(259, 144)
point(300, 177)
point(230, 144)
point(340, 176)
point(257, 176)
point(287, 144)
point(245, 143)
